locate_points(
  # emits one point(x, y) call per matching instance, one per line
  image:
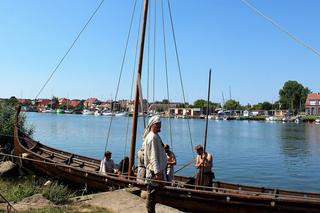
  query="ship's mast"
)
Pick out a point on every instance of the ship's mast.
point(136, 100)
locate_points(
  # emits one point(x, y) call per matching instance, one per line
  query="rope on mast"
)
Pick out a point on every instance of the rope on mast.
point(180, 75)
point(71, 46)
point(132, 82)
point(154, 50)
point(120, 74)
point(166, 69)
point(279, 27)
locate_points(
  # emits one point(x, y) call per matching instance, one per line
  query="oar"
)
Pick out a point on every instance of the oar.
point(184, 166)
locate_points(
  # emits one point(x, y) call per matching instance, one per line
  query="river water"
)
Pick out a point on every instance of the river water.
point(280, 155)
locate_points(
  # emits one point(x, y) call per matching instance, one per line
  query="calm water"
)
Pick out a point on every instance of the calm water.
point(259, 153)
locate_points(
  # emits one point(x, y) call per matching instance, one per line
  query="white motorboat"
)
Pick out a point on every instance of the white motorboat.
point(121, 114)
point(108, 113)
point(49, 111)
point(97, 113)
point(271, 118)
point(87, 112)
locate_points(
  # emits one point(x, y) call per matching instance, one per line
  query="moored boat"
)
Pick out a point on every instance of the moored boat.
point(87, 112)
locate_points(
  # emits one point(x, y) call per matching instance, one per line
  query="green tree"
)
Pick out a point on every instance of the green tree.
point(232, 105)
point(165, 101)
point(247, 107)
point(262, 106)
point(200, 103)
point(7, 120)
point(55, 102)
point(13, 101)
point(203, 104)
point(293, 95)
point(267, 105)
point(257, 106)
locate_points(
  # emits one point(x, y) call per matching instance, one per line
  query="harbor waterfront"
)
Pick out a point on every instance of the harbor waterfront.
point(280, 155)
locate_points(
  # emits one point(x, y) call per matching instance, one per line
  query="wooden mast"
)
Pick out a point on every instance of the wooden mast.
point(206, 128)
point(136, 100)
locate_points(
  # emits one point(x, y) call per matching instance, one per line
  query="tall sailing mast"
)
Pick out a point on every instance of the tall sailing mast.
point(138, 86)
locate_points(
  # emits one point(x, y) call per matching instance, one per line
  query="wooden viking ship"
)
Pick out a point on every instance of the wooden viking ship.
point(180, 194)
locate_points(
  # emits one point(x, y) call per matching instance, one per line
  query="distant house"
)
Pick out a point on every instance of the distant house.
point(63, 101)
point(91, 102)
point(279, 113)
point(74, 103)
point(246, 113)
point(312, 105)
point(131, 106)
point(161, 107)
point(42, 104)
point(259, 112)
point(190, 112)
point(24, 101)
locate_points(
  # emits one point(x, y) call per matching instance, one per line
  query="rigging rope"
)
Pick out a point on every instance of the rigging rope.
point(72, 45)
point(148, 71)
point(180, 75)
point(279, 27)
point(120, 74)
point(166, 70)
point(132, 81)
point(154, 50)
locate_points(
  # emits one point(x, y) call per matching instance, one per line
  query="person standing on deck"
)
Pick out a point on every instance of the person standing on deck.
point(107, 165)
point(155, 160)
point(155, 157)
point(203, 162)
point(171, 162)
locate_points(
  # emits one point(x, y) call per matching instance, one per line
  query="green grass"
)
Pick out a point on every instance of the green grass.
point(310, 118)
point(68, 209)
point(57, 193)
point(15, 189)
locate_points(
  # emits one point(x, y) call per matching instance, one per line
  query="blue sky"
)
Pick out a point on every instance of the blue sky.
point(245, 52)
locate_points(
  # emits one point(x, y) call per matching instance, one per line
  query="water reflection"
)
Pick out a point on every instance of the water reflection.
point(294, 141)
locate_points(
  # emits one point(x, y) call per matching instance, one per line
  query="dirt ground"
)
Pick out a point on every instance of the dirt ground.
point(116, 201)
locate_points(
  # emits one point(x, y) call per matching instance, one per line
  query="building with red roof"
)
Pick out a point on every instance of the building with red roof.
point(42, 104)
point(63, 101)
point(24, 101)
point(91, 102)
point(313, 104)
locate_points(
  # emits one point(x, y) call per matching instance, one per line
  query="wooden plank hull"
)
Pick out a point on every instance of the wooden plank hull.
point(222, 197)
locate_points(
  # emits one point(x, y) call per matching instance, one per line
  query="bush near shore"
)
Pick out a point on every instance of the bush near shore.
point(14, 189)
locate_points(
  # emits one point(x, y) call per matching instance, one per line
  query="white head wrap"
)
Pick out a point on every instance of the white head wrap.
point(153, 120)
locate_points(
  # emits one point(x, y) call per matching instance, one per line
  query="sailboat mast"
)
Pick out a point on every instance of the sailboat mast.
point(206, 127)
point(136, 100)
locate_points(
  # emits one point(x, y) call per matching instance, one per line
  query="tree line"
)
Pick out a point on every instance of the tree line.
point(292, 96)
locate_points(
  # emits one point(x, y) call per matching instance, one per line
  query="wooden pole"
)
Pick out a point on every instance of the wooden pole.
point(206, 128)
point(136, 100)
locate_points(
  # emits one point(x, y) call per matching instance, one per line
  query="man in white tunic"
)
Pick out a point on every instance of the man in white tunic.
point(107, 165)
point(155, 158)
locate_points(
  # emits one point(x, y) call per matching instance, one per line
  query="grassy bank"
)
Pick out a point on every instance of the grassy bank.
point(68, 209)
point(15, 189)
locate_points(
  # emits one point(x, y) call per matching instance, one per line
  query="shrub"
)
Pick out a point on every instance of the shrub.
point(17, 189)
point(57, 193)
point(7, 120)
